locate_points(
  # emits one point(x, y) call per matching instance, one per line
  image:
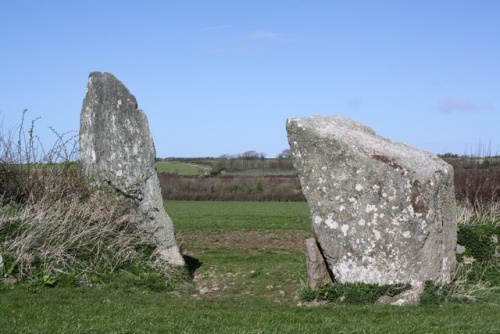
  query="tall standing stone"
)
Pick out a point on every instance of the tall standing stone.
point(117, 150)
point(382, 212)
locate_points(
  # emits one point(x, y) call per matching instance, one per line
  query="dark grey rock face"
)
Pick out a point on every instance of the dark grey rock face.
point(317, 271)
point(382, 212)
point(117, 150)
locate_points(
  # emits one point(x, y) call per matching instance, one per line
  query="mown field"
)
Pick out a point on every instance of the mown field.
point(248, 272)
point(182, 168)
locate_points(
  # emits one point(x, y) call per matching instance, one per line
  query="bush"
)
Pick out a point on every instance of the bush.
point(231, 188)
point(478, 240)
point(477, 187)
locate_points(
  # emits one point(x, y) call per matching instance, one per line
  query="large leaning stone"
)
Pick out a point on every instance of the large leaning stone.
point(117, 150)
point(382, 212)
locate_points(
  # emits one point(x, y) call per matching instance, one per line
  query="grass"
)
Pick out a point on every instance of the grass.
point(181, 168)
point(96, 311)
point(262, 172)
point(234, 216)
point(204, 168)
point(249, 272)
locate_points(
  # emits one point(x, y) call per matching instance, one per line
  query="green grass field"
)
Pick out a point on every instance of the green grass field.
point(250, 270)
point(204, 168)
point(181, 168)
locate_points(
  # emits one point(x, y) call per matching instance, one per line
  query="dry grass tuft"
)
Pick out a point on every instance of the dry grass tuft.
point(52, 224)
point(83, 235)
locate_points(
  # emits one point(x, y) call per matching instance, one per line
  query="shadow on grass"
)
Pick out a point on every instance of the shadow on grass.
point(192, 264)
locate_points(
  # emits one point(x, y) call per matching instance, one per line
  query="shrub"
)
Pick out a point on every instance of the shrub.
point(231, 188)
point(478, 241)
point(477, 187)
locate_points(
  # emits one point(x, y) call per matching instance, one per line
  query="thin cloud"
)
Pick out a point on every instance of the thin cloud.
point(451, 105)
point(266, 35)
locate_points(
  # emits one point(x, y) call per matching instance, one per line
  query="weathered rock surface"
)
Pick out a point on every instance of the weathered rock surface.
point(317, 271)
point(382, 212)
point(117, 150)
point(408, 297)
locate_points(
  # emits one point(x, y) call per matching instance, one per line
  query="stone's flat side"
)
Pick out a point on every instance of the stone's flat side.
point(382, 212)
point(317, 270)
point(117, 150)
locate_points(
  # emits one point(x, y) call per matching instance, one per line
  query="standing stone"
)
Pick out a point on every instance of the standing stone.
point(382, 212)
point(117, 150)
point(317, 271)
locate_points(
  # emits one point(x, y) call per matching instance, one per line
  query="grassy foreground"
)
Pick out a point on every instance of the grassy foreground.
point(95, 311)
point(249, 271)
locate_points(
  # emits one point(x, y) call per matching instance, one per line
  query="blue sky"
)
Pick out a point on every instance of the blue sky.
point(222, 77)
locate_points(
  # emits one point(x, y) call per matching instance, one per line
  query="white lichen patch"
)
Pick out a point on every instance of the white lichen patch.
point(369, 208)
point(331, 223)
point(406, 234)
point(350, 271)
point(377, 234)
point(362, 222)
point(423, 224)
point(317, 220)
point(359, 187)
point(344, 229)
point(341, 208)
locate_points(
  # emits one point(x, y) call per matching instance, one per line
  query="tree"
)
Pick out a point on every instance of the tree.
point(285, 154)
point(248, 155)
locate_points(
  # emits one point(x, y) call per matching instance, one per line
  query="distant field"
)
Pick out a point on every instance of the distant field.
point(260, 172)
point(181, 168)
point(185, 167)
point(192, 216)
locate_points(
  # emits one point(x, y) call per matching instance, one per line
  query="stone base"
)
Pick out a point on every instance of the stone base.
point(317, 270)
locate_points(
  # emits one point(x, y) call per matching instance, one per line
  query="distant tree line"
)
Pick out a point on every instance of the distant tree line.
point(240, 162)
point(252, 160)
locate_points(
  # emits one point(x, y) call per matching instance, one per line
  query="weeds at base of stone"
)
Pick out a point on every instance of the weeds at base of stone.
point(352, 293)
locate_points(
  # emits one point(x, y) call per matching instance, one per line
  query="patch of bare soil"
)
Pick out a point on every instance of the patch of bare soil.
point(289, 240)
point(275, 284)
